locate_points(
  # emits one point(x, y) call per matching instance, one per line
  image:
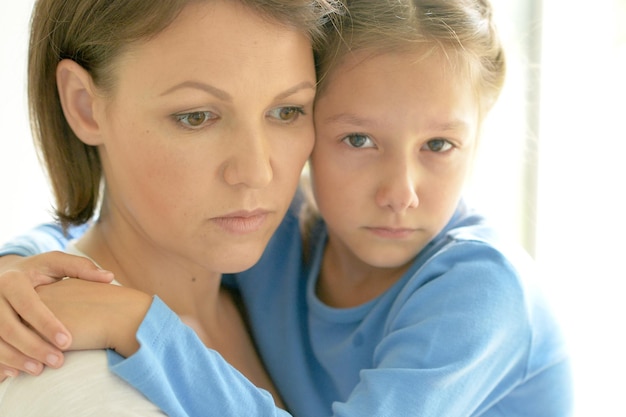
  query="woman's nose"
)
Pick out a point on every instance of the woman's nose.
point(250, 161)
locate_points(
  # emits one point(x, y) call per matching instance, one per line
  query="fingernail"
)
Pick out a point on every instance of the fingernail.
point(52, 359)
point(10, 373)
point(61, 339)
point(32, 367)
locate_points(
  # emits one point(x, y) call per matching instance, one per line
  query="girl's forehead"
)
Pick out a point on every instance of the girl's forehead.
point(447, 66)
point(413, 63)
point(399, 88)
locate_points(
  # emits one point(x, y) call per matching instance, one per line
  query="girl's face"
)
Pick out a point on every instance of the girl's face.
point(206, 133)
point(396, 136)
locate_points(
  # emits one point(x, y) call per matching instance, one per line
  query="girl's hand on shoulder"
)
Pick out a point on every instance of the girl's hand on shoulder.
point(98, 315)
point(30, 335)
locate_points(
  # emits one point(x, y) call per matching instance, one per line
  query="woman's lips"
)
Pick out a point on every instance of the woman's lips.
point(242, 222)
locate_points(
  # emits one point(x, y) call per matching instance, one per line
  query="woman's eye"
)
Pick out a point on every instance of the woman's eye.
point(196, 119)
point(437, 145)
point(357, 140)
point(286, 114)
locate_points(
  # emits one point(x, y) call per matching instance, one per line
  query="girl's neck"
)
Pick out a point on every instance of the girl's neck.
point(346, 281)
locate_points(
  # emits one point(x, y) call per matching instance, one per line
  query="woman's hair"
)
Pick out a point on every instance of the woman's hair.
point(463, 30)
point(94, 33)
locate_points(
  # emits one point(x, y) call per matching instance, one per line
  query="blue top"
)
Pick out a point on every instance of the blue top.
point(465, 332)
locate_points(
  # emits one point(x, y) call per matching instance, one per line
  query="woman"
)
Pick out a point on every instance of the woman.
point(194, 119)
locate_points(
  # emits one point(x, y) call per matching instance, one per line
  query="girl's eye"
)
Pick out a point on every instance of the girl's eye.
point(196, 119)
point(286, 114)
point(437, 145)
point(357, 140)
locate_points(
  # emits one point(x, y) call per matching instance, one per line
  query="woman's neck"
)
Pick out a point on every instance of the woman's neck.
point(191, 290)
point(186, 288)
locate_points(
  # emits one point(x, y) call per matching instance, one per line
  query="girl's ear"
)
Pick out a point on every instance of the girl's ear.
point(78, 100)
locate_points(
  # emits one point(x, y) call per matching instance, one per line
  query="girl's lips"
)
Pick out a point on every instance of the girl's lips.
point(243, 222)
point(392, 232)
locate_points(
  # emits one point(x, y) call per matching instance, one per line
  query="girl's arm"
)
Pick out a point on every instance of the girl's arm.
point(172, 368)
point(43, 238)
point(454, 346)
point(179, 374)
point(30, 335)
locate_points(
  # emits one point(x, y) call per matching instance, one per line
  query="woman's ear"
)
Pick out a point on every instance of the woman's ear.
point(78, 100)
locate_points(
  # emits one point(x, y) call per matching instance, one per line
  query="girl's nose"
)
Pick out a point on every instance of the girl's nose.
point(398, 188)
point(250, 161)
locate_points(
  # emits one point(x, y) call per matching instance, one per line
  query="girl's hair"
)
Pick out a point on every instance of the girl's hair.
point(463, 30)
point(94, 33)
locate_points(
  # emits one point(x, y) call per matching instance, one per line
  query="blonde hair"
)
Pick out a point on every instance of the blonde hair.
point(463, 30)
point(94, 33)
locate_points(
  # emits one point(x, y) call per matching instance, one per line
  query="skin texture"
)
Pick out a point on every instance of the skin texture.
point(397, 154)
point(18, 279)
point(388, 166)
point(200, 165)
point(214, 157)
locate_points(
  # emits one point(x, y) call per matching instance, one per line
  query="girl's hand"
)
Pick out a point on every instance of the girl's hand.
point(30, 334)
point(99, 316)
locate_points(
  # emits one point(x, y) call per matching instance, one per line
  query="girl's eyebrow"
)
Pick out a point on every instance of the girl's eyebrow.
point(454, 125)
point(351, 119)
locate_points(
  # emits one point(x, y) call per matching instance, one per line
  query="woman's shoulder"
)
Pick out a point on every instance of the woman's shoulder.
point(84, 385)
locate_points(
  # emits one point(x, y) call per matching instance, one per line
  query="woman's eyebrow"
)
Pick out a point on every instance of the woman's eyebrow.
point(224, 96)
point(198, 85)
point(300, 86)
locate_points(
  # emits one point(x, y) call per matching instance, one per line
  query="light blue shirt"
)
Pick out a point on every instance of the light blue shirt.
point(465, 332)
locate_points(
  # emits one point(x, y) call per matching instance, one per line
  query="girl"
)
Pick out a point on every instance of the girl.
point(404, 301)
point(198, 162)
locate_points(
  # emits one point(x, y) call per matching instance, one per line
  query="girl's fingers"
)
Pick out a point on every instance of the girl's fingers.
point(21, 308)
point(7, 373)
point(30, 335)
point(49, 267)
point(13, 361)
point(23, 348)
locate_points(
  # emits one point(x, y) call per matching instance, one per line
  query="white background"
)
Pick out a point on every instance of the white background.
point(579, 218)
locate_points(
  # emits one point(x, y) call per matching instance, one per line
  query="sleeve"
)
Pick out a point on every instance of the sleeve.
point(175, 370)
point(454, 345)
point(43, 238)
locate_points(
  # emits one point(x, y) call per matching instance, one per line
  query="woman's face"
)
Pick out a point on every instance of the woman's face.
point(206, 133)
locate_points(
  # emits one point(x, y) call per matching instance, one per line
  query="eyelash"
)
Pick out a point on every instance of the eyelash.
point(348, 140)
point(446, 145)
point(182, 119)
point(298, 111)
